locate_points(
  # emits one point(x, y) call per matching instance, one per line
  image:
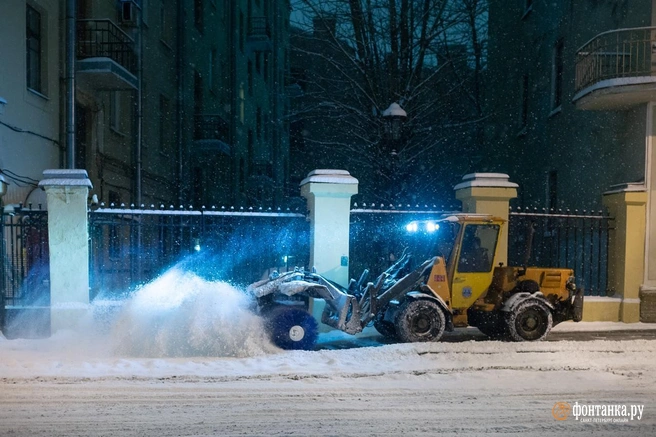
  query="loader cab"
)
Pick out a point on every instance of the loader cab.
point(466, 246)
point(472, 268)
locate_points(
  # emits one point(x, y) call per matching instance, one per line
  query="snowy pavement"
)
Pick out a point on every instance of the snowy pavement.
point(65, 386)
point(197, 363)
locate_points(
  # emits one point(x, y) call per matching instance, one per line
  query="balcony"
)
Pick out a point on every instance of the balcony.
point(259, 35)
point(106, 59)
point(211, 134)
point(616, 70)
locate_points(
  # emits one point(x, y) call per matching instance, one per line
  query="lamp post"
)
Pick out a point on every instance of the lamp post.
point(394, 117)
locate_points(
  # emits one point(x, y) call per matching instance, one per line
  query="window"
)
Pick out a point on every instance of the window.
point(214, 70)
point(164, 123)
point(523, 115)
point(33, 45)
point(198, 93)
point(258, 122)
point(266, 67)
point(557, 80)
point(241, 31)
point(479, 243)
point(166, 23)
point(552, 189)
point(115, 111)
point(198, 14)
point(250, 78)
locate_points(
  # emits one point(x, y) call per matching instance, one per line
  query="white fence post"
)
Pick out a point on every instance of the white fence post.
point(68, 242)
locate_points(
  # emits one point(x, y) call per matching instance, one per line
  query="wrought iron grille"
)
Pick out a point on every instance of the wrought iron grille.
point(130, 247)
point(378, 235)
point(25, 273)
point(574, 240)
point(104, 39)
point(616, 54)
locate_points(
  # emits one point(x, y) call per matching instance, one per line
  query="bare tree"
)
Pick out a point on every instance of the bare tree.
point(352, 58)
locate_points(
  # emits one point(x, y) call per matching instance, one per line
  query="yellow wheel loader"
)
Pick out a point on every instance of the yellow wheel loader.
point(461, 284)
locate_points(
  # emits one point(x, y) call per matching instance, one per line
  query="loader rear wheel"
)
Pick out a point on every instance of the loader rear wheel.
point(420, 320)
point(292, 328)
point(529, 321)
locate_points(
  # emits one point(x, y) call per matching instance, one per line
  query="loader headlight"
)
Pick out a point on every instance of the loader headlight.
point(432, 227)
point(412, 227)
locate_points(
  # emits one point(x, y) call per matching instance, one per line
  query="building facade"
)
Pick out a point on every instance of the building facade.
point(177, 102)
point(30, 97)
point(571, 102)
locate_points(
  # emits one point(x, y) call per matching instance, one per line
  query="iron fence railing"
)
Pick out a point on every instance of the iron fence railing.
point(131, 247)
point(616, 54)
point(378, 235)
point(25, 272)
point(576, 240)
point(104, 39)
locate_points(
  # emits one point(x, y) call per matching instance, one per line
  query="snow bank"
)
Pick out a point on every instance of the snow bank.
point(180, 314)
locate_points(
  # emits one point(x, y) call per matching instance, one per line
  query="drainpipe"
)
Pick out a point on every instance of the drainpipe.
point(70, 83)
point(180, 100)
point(139, 139)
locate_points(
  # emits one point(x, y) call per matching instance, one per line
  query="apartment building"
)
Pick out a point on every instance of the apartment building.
point(176, 101)
point(30, 97)
point(571, 103)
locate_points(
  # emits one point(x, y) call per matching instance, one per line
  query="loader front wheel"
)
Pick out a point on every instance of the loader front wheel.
point(529, 321)
point(420, 320)
point(292, 328)
point(384, 327)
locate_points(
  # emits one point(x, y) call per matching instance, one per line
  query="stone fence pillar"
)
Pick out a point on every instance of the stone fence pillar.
point(328, 193)
point(488, 193)
point(68, 242)
point(626, 246)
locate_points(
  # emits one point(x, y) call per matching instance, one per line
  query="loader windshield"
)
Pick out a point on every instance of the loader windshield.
point(427, 240)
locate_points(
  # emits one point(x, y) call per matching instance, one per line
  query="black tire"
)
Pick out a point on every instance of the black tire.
point(384, 327)
point(529, 321)
point(292, 328)
point(420, 320)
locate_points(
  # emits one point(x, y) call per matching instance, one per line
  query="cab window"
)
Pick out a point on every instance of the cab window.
point(478, 246)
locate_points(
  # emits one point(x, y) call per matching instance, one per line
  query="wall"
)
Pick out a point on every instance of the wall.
point(590, 150)
point(38, 113)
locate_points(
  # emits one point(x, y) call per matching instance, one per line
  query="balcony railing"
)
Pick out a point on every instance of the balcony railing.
point(104, 39)
point(616, 54)
point(258, 28)
point(259, 35)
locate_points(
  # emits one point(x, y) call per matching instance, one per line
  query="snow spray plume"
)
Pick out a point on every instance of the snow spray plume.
point(244, 256)
point(181, 314)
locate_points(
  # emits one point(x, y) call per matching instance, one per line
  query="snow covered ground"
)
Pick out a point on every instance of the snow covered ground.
point(196, 363)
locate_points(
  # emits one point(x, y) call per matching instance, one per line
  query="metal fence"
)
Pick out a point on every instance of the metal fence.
point(129, 247)
point(576, 240)
point(378, 235)
point(25, 272)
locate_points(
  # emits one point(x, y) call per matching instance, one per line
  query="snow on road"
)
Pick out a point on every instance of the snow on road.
point(143, 377)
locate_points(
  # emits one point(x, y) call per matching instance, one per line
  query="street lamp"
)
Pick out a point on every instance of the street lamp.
point(394, 117)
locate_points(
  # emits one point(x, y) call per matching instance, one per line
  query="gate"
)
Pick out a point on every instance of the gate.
point(25, 272)
point(578, 241)
point(129, 247)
